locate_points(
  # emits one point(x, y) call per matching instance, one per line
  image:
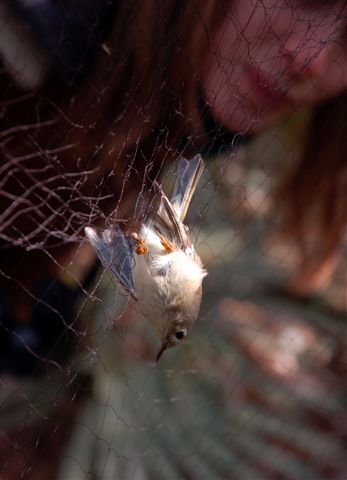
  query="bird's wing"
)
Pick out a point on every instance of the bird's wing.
point(167, 217)
point(188, 176)
point(115, 253)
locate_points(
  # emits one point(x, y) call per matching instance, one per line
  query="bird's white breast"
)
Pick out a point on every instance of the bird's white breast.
point(161, 276)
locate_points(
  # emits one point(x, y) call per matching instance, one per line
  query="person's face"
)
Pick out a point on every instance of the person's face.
point(269, 56)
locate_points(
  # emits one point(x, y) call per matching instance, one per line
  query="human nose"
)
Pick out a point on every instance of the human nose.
point(306, 50)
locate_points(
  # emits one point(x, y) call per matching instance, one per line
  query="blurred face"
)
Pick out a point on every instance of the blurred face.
point(271, 56)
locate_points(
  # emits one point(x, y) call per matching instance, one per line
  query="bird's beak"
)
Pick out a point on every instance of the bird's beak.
point(161, 351)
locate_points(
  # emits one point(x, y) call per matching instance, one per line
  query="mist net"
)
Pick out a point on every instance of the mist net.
point(98, 100)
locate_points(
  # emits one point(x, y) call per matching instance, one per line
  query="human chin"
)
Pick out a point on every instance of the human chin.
point(239, 113)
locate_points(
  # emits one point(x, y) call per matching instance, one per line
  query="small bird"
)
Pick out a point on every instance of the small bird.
point(158, 265)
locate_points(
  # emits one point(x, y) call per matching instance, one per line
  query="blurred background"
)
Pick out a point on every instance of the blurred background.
point(258, 391)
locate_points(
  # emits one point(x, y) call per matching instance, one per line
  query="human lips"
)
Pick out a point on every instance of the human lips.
point(265, 88)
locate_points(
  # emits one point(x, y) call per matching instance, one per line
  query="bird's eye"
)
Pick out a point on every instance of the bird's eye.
point(181, 334)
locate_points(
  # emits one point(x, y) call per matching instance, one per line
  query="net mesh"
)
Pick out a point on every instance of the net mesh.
point(258, 391)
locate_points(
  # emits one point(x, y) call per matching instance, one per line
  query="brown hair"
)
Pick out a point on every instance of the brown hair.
point(313, 195)
point(137, 107)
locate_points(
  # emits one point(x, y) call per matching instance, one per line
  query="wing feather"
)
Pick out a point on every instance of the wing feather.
point(116, 254)
point(188, 176)
point(168, 217)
